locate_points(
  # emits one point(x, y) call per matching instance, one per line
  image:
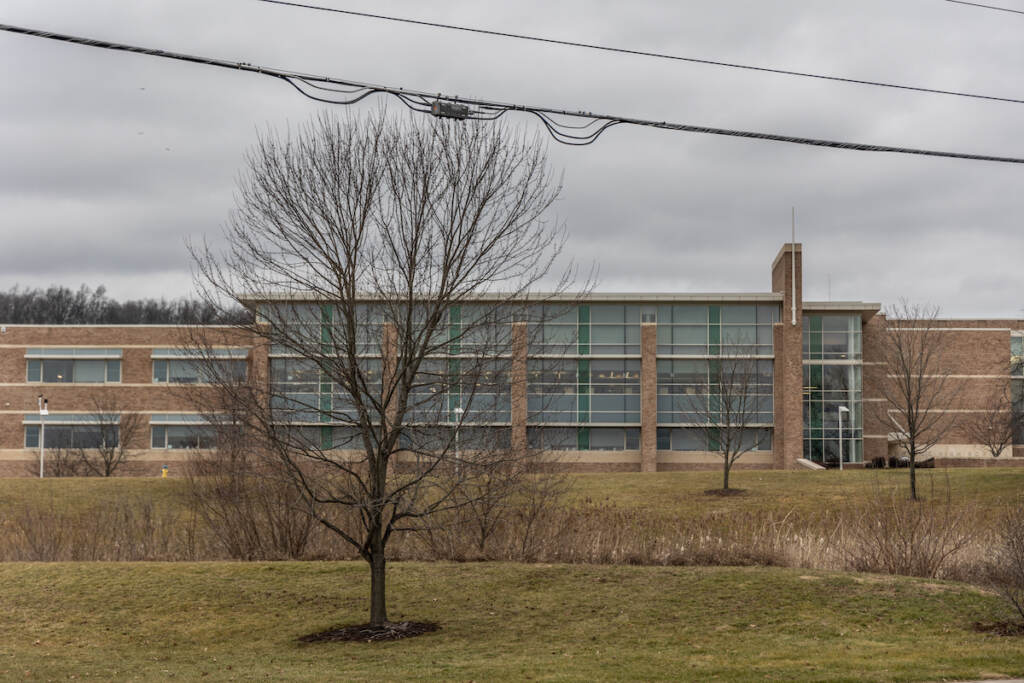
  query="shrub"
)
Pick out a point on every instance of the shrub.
point(1005, 571)
point(890, 533)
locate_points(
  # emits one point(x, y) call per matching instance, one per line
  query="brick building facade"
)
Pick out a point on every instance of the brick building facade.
point(623, 400)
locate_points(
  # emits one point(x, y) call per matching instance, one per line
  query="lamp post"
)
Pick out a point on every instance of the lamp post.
point(458, 423)
point(43, 412)
point(840, 410)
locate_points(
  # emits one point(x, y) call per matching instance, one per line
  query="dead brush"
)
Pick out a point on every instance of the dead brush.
point(892, 534)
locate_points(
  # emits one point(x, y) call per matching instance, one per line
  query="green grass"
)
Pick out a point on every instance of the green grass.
point(73, 492)
point(679, 493)
point(499, 622)
point(800, 490)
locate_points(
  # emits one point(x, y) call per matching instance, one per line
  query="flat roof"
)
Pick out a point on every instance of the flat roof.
point(541, 297)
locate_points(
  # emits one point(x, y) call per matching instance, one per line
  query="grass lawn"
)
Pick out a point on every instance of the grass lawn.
point(800, 490)
point(680, 493)
point(499, 622)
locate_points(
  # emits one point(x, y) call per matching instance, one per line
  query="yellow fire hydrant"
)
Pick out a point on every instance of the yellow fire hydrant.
point(163, 472)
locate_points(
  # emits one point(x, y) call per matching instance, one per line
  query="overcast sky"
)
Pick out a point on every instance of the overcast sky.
point(109, 161)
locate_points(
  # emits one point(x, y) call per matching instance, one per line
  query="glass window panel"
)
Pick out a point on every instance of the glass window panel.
point(92, 437)
point(553, 314)
point(739, 335)
point(58, 370)
point(113, 371)
point(632, 439)
point(607, 334)
point(35, 371)
point(689, 313)
point(182, 437)
point(57, 436)
point(695, 335)
point(90, 371)
point(835, 344)
point(739, 313)
point(607, 313)
point(836, 323)
point(31, 436)
point(607, 439)
point(632, 339)
point(688, 440)
point(634, 313)
point(767, 314)
point(159, 436)
point(552, 438)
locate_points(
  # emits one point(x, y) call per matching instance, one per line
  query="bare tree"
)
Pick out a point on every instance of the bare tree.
point(731, 414)
point(389, 264)
point(996, 426)
point(917, 387)
point(60, 461)
point(115, 432)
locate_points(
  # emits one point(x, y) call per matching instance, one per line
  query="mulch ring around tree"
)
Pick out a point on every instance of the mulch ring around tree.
point(725, 492)
point(1001, 628)
point(392, 630)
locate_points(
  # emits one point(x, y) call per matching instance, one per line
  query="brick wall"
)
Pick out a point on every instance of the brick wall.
point(975, 354)
point(789, 378)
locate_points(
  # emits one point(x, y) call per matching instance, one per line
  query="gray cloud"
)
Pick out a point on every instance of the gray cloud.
point(109, 162)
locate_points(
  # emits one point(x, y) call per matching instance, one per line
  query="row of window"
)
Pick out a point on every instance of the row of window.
point(98, 436)
point(181, 437)
point(106, 371)
point(628, 438)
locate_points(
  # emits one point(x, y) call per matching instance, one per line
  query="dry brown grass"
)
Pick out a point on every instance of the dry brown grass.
point(876, 530)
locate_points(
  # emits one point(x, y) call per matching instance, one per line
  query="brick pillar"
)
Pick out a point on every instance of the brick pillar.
point(877, 426)
point(788, 437)
point(649, 397)
point(517, 380)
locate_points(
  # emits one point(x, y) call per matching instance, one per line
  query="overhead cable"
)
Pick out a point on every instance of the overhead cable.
point(344, 91)
point(644, 53)
point(978, 4)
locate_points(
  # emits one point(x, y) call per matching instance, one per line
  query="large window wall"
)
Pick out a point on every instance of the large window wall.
point(690, 391)
point(833, 388)
point(710, 354)
point(465, 380)
point(583, 384)
point(585, 390)
point(716, 329)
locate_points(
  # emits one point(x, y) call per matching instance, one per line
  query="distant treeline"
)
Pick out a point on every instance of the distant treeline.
point(64, 306)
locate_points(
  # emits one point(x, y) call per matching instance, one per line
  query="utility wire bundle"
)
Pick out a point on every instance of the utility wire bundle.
point(590, 127)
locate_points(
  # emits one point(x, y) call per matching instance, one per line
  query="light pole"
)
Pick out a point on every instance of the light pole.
point(458, 423)
point(43, 412)
point(840, 410)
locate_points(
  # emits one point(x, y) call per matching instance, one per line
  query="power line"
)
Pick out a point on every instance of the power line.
point(343, 91)
point(976, 4)
point(643, 53)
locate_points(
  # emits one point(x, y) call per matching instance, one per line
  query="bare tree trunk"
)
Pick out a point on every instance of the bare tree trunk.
point(725, 476)
point(378, 578)
point(913, 475)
